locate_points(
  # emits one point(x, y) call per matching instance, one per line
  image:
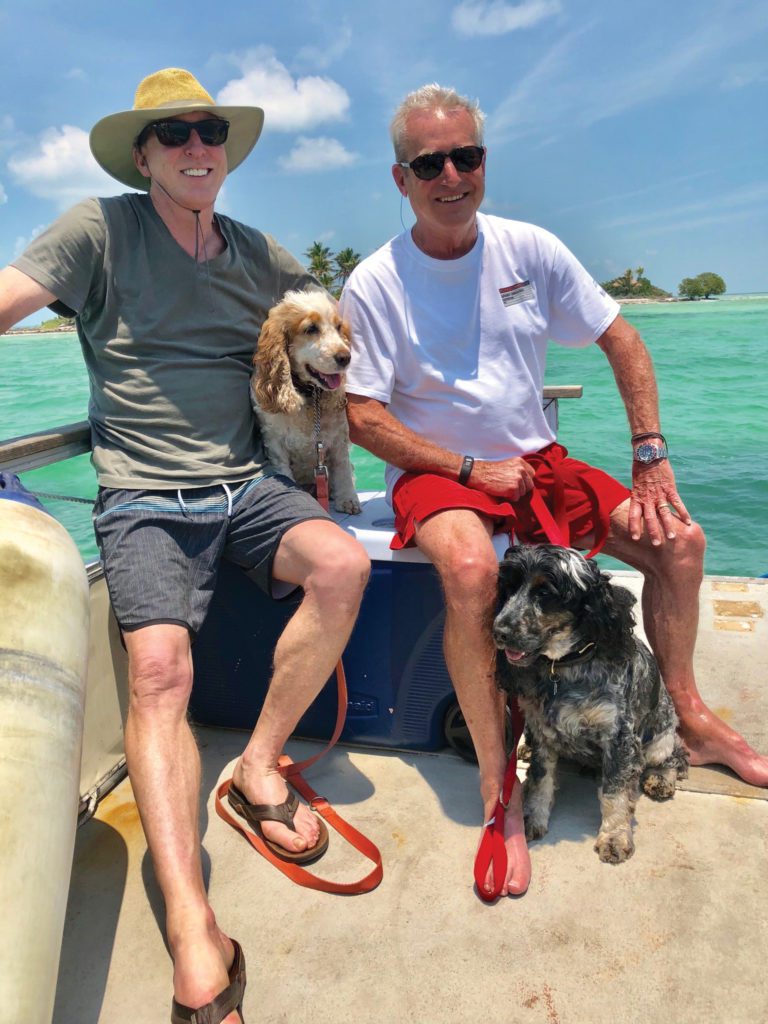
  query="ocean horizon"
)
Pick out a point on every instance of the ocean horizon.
point(711, 359)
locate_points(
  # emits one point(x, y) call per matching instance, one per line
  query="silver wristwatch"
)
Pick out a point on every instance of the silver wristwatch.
point(647, 453)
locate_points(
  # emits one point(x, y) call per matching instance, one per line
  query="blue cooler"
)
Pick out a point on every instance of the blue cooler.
point(400, 694)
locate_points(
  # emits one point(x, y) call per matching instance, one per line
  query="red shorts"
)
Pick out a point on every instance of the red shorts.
point(580, 497)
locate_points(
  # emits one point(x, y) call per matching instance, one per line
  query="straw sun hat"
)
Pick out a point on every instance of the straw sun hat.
point(168, 93)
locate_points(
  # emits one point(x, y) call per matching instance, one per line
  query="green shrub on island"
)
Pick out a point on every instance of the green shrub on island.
point(632, 284)
point(701, 287)
point(56, 323)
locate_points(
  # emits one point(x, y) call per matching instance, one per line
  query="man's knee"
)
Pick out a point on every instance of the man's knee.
point(689, 546)
point(340, 571)
point(160, 673)
point(469, 572)
point(683, 556)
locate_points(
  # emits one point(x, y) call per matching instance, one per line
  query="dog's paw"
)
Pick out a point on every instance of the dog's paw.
point(614, 848)
point(659, 785)
point(535, 829)
point(523, 752)
point(349, 505)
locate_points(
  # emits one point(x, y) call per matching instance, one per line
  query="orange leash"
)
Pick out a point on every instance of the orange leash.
point(291, 772)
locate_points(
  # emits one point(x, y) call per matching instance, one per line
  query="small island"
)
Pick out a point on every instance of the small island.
point(633, 286)
point(702, 287)
point(57, 324)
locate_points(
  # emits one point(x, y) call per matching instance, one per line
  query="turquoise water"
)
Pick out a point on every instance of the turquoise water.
point(711, 362)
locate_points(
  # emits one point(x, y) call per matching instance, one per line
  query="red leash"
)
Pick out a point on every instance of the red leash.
point(492, 852)
point(291, 772)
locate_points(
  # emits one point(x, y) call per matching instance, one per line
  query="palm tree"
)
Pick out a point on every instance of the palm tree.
point(320, 263)
point(346, 260)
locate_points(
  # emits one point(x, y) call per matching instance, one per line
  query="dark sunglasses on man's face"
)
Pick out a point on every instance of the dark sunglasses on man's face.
point(212, 132)
point(429, 165)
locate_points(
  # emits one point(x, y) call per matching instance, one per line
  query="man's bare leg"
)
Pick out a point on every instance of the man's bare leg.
point(673, 572)
point(162, 756)
point(333, 570)
point(164, 768)
point(458, 543)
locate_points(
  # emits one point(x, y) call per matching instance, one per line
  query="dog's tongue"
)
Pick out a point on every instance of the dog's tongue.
point(331, 380)
point(513, 655)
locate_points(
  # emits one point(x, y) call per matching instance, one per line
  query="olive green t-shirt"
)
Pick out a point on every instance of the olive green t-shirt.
point(168, 343)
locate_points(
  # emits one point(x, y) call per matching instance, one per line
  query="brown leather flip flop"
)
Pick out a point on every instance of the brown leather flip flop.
point(231, 998)
point(254, 814)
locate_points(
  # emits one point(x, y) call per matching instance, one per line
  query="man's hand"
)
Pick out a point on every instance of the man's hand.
point(655, 502)
point(510, 478)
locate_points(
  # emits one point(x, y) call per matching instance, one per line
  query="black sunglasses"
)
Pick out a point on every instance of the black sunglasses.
point(212, 132)
point(429, 165)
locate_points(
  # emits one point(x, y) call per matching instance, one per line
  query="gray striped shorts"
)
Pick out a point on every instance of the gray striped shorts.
point(161, 549)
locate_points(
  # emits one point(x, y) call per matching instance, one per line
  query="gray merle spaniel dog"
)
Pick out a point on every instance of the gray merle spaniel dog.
point(589, 688)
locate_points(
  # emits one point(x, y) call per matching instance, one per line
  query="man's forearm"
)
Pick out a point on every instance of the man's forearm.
point(374, 428)
point(633, 369)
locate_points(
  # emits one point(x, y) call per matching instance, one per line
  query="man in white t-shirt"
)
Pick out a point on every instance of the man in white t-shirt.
point(450, 324)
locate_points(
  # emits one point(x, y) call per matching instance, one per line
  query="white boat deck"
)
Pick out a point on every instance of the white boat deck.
point(679, 933)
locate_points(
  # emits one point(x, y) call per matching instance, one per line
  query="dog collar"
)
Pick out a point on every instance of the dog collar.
point(304, 387)
point(586, 653)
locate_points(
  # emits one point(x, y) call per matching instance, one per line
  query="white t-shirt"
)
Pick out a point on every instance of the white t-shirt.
point(457, 348)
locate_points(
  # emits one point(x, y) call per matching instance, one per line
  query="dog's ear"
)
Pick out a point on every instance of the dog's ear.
point(595, 576)
point(609, 609)
point(272, 384)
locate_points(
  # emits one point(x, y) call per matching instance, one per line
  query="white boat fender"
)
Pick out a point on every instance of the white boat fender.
point(44, 619)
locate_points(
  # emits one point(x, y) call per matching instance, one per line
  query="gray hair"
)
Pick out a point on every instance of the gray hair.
point(432, 97)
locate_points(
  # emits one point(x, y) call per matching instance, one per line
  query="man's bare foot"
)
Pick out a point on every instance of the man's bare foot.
point(710, 741)
point(201, 965)
point(518, 859)
point(267, 786)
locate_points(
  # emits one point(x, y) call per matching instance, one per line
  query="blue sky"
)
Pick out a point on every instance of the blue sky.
point(635, 132)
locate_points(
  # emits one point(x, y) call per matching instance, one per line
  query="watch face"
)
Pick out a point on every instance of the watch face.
point(648, 453)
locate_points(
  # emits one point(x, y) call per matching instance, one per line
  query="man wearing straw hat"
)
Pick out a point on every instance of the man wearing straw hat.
point(169, 298)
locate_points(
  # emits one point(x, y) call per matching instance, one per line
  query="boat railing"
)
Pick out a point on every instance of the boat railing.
point(31, 451)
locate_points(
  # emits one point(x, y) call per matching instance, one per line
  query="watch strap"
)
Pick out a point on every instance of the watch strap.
point(466, 468)
point(646, 435)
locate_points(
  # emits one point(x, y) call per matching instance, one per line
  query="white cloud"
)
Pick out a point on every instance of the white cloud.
point(3, 194)
point(753, 197)
point(77, 74)
point(60, 167)
point(319, 154)
point(494, 17)
point(324, 56)
point(8, 134)
point(742, 75)
point(562, 92)
point(289, 104)
point(22, 241)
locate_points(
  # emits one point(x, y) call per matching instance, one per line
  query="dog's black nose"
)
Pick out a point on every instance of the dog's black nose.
point(342, 361)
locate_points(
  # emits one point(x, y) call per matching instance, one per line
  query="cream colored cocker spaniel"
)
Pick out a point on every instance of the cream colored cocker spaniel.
point(304, 350)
